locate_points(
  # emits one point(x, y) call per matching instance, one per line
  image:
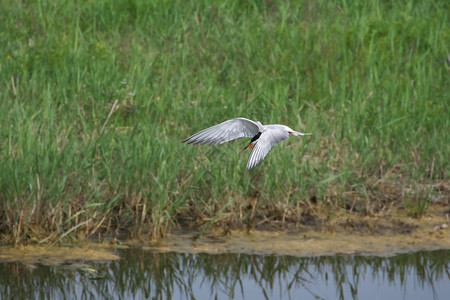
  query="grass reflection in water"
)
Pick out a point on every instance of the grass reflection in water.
point(143, 274)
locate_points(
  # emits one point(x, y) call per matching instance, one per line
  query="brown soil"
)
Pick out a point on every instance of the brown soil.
point(30, 255)
point(349, 233)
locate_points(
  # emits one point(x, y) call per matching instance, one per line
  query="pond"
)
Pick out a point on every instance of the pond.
point(141, 273)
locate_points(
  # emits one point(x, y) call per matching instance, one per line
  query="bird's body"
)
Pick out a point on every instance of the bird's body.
point(264, 137)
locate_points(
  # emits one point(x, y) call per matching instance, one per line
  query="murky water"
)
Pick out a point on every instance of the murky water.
point(142, 274)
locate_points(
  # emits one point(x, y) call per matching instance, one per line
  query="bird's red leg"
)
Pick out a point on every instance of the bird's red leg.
point(248, 145)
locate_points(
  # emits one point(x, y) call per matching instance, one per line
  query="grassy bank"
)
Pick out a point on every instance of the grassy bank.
point(370, 80)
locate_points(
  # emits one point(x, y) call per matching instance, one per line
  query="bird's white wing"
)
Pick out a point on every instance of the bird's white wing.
point(266, 141)
point(225, 131)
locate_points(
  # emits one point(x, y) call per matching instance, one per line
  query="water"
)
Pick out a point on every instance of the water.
point(142, 274)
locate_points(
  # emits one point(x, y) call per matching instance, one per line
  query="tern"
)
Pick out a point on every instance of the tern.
point(264, 137)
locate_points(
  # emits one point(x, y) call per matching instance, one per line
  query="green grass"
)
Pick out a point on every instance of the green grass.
point(417, 201)
point(370, 80)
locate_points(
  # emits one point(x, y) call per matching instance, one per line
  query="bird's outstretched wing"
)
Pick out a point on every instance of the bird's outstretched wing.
point(225, 131)
point(266, 141)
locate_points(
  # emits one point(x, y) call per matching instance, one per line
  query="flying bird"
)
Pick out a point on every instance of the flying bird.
point(264, 137)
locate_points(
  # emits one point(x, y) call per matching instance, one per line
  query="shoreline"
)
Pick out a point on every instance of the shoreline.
point(347, 234)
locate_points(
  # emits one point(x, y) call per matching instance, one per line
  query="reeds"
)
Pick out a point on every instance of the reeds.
point(370, 80)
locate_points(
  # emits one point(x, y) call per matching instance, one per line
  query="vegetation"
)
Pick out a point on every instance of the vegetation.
point(97, 95)
point(417, 202)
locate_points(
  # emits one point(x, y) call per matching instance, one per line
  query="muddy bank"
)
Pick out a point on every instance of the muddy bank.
point(310, 243)
point(50, 256)
point(345, 234)
point(350, 234)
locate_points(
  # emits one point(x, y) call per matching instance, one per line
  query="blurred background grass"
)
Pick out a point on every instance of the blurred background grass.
point(369, 79)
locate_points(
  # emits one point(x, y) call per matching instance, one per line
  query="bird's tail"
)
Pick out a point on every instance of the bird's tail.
point(296, 133)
